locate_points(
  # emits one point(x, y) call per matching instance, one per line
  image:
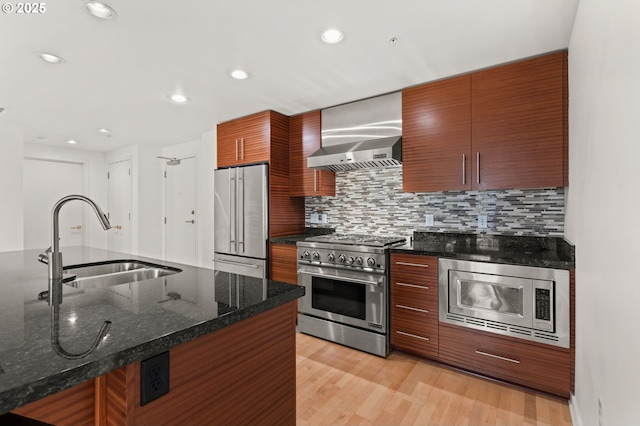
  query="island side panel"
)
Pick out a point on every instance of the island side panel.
point(242, 374)
point(72, 407)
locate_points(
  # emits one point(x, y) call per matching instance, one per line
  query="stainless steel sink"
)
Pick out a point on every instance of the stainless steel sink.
point(114, 272)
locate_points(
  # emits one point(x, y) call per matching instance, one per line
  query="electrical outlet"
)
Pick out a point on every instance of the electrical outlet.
point(482, 221)
point(324, 218)
point(154, 378)
point(314, 217)
point(428, 220)
point(600, 413)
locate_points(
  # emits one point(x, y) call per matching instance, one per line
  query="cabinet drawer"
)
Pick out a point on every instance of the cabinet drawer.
point(414, 269)
point(414, 331)
point(413, 295)
point(544, 368)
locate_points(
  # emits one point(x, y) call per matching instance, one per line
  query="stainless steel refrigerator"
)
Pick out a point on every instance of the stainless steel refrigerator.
point(241, 220)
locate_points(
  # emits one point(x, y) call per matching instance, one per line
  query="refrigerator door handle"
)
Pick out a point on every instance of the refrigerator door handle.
point(229, 262)
point(240, 211)
point(233, 218)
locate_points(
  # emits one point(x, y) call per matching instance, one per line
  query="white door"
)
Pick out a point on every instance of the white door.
point(119, 189)
point(180, 212)
point(44, 183)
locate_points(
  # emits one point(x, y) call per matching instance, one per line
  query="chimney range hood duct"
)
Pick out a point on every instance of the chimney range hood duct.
point(360, 135)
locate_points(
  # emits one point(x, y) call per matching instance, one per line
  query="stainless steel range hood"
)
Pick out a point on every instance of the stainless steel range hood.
point(363, 134)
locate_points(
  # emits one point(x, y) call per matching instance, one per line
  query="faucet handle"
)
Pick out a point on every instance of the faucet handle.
point(43, 257)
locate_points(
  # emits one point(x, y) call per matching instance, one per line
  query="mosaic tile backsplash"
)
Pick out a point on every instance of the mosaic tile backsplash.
point(372, 200)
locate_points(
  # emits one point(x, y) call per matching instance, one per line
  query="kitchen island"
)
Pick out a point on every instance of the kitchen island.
point(230, 338)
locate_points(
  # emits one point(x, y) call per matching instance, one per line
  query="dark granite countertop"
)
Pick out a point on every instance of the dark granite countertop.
point(308, 232)
point(148, 317)
point(547, 252)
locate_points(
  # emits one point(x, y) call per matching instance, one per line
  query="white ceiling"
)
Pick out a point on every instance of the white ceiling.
point(118, 73)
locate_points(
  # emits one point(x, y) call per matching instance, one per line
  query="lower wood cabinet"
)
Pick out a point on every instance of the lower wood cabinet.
point(283, 263)
point(538, 366)
point(415, 328)
point(243, 374)
point(414, 304)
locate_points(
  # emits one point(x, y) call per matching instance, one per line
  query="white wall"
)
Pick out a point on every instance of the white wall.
point(95, 170)
point(205, 152)
point(603, 207)
point(12, 209)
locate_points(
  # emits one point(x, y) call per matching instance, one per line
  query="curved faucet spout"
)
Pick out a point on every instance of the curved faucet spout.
point(53, 255)
point(55, 337)
point(55, 213)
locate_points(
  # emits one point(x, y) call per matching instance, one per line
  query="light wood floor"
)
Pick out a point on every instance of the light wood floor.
point(337, 385)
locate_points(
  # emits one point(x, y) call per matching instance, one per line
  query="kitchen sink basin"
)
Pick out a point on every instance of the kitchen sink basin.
point(114, 272)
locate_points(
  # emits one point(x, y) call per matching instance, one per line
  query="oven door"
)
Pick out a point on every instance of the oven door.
point(353, 298)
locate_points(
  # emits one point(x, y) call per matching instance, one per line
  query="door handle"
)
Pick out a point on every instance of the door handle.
point(78, 227)
point(116, 227)
point(190, 221)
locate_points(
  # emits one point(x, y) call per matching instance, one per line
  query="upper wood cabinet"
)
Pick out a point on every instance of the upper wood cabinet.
point(436, 136)
point(304, 139)
point(245, 140)
point(504, 127)
point(518, 124)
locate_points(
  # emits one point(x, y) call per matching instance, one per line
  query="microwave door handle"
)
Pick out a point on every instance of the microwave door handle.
point(351, 280)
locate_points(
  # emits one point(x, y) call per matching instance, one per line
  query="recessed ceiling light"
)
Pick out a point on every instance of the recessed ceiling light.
point(239, 74)
point(178, 98)
point(99, 10)
point(51, 58)
point(105, 131)
point(72, 141)
point(332, 36)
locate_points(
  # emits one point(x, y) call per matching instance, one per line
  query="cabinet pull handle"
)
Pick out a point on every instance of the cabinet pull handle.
point(236, 149)
point(412, 264)
point(478, 167)
point(424, 311)
point(242, 148)
point(315, 181)
point(515, 361)
point(464, 167)
point(412, 285)
point(412, 335)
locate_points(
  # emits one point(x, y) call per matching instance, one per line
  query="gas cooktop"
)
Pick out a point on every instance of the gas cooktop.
point(357, 239)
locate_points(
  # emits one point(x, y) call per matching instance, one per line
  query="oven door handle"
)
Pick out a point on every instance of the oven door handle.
point(379, 281)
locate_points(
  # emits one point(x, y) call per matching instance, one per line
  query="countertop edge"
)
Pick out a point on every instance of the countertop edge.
point(538, 262)
point(35, 390)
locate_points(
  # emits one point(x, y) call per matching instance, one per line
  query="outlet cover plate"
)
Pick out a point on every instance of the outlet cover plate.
point(314, 218)
point(154, 378)
point(324, 218)
point(482, 221)
point(428, 220)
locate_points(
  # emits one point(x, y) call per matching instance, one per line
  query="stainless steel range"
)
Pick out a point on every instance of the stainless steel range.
point(347, 294)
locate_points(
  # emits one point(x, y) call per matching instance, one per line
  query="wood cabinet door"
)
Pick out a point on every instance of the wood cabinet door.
point(283, 263)
point(227, 144)
point(518, 126)
point(436, 136)
point(305, 139)
point(254, 133)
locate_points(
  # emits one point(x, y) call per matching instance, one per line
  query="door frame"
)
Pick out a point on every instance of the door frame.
point(86, 164)
point(164, 207)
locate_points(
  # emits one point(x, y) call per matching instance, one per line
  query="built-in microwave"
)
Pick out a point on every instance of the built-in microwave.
point(520, 301)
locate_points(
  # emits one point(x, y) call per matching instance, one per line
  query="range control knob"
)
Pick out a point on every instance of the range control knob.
point(358, 261)
point(331, 257)
point(306, 255)
point(349, 260)
point(341, 258)
point(371, 262)
point(316, 255)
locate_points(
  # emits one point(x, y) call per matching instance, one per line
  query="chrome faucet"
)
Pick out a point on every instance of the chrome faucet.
point(52, 256)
